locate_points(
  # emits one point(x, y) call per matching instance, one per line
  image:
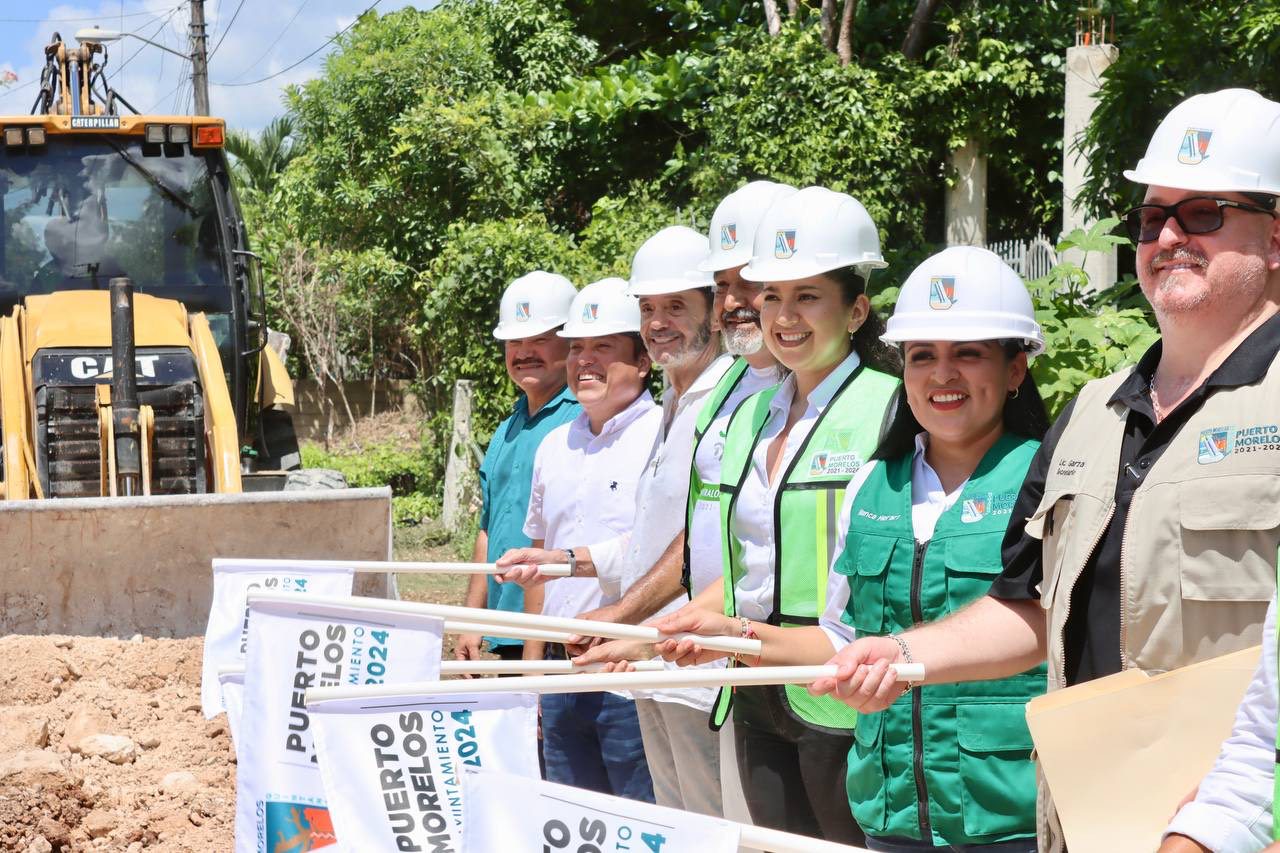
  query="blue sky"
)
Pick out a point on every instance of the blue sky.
point(263, 39)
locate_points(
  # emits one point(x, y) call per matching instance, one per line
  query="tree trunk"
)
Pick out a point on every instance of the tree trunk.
point(771, 18)
point(828, 18)
point(844, 46)
point(793, 9)
point(913, 44)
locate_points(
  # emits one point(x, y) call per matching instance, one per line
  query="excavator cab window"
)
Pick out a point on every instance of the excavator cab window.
point(83, 209)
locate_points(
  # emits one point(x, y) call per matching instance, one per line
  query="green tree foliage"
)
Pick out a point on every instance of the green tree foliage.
point(258, 161)
point(442, 154)
point(1172, 50)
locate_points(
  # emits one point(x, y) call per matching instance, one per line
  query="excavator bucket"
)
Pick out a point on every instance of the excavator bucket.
point(142, 565)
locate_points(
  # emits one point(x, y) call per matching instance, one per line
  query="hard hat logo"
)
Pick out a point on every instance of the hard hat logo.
point(522, 312)
point(728, 236)
point(942, 292)
point(784, 244)
point(590, 312)
point(1195, 146)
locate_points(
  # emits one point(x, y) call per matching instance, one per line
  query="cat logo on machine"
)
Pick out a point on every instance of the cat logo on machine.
point(93, 367)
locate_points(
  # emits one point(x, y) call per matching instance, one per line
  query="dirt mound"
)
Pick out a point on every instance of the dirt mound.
point(103, 747)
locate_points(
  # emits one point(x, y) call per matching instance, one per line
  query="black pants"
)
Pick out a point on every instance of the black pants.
point(793, 775)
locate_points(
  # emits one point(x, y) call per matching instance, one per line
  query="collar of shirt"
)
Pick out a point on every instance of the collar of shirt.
point(521, 407)
point(929, 499)
point(1246, 364)
point(819, 397)
point(639, 406)
point(672, 406)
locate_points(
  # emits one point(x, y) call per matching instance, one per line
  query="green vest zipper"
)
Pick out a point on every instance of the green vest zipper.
point(950, 763)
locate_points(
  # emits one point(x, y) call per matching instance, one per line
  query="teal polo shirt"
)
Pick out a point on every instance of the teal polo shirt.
point(506, 477)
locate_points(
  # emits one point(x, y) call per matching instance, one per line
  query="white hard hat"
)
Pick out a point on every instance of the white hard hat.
point(1227, 141)
point(602, 308)
point(668, 262)
point(813, 231)
point(733, 225)
point(964, 294)
point(533, 304)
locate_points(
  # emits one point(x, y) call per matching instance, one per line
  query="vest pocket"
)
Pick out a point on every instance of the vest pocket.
point(998, 779)
point(1228, 538)
point(973, 563)
point(865, 780)
point(866, 583)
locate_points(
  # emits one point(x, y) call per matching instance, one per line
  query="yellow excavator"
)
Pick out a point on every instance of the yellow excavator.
point(144, 423)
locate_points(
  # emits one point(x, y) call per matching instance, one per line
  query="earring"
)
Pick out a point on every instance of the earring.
point(1013, 395)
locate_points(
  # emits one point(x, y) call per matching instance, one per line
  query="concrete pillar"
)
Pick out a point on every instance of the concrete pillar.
point(1085, 65)
point(459, 473)
point(967, 197)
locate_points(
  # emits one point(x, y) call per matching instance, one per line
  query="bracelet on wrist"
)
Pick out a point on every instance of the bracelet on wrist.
point(905, 650)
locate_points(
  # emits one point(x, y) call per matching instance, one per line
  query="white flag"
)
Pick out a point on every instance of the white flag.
point(517, 815)
point(294, 646)
point(393, 765)
point(231, 682)
point(226, 633)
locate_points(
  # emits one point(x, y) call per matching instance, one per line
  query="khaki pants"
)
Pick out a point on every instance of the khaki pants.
point(683, 755)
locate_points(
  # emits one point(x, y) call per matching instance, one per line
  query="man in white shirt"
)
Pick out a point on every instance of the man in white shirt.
point(584, 487)
point(696, 551)
point(676, 303)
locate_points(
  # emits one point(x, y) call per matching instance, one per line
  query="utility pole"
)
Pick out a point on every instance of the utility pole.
point(199, 58)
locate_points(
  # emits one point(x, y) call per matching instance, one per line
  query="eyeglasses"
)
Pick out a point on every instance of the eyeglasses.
point(1196, 215)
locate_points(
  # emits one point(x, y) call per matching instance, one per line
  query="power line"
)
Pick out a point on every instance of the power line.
point(328, 42)
point(230, 24)
point(254, 64)
point(144, 45)
point(70, 20)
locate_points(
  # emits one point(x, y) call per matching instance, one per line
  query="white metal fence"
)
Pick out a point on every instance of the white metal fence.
point(1030, 258)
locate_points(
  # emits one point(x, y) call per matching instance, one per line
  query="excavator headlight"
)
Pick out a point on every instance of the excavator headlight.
point(208, 136)
point(13, 136)
point(179, 134)
point(35, 136)
point(155, 134)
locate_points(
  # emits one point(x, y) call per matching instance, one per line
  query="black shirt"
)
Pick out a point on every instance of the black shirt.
point(1092, 637)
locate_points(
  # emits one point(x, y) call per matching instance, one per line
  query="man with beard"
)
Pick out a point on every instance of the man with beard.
point(1145, 533)
point(533, 307)
point(676, 310)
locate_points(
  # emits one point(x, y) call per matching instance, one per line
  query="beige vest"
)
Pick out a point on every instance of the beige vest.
point(1198, 554)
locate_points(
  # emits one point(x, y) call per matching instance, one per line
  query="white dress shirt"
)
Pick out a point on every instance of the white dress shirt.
point(584, 489)
point(752, 520)
point(928, 503)
point(1232, 810)
point(662, 491)
point(660, 514)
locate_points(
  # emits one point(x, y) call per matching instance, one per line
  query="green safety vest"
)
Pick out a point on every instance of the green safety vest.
point(949, 763)
point(698, 490)
point(1275, 797)
point(806, 515)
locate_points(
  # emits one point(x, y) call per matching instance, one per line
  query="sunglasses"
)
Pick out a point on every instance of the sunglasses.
point(1197, 215)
